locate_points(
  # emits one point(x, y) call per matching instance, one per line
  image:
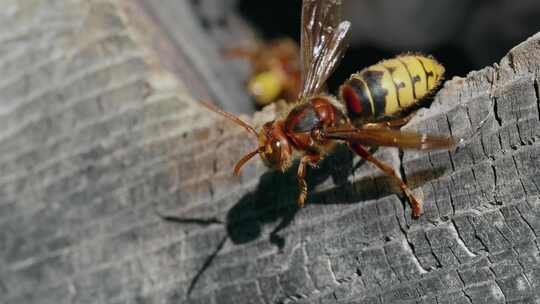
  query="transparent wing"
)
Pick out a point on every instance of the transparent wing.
point(323, 42)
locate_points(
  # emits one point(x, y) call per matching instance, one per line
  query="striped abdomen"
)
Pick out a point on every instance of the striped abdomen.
point(390, 86)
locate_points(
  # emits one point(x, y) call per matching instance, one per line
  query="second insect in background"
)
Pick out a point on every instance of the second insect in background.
point(275, 69)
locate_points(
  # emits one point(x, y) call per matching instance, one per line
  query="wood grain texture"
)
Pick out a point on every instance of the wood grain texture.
point(97, 139)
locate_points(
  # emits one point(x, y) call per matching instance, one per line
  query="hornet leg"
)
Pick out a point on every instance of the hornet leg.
point(416, 206)
point(301, 175)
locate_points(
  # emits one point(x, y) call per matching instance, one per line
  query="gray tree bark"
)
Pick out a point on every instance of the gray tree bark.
point(98, 139)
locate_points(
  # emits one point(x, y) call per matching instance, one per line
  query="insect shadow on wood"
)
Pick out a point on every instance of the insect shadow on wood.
point(274, 200)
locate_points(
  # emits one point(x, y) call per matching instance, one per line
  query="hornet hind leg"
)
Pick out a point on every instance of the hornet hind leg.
point(416, 206)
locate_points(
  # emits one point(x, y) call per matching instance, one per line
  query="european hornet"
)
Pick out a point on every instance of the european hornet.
point(372, 104)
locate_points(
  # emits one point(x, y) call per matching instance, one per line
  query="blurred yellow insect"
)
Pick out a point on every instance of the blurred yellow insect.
point(275, 70)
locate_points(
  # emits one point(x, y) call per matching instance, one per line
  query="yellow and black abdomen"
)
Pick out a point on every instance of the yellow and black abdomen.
point(390, 86)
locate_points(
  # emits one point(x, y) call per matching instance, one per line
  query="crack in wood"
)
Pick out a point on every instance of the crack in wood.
point(449, 151)
point(476, 236)
point(459, 275)
point(537, 95)
point(459, 239)
point(520, 175)
point(518, 210)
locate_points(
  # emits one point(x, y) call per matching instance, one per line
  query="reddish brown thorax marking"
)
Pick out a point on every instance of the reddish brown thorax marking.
point(325, 111)
point(302, 123)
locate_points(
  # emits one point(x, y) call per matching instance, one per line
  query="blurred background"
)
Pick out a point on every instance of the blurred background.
point(464, 35)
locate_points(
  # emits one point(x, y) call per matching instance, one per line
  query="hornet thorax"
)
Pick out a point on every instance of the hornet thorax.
point(305, 121)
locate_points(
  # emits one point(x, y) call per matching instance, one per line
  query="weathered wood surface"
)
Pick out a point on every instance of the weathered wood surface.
point(96, 139)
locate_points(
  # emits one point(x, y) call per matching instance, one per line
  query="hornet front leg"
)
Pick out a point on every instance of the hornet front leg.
point(301, 175)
